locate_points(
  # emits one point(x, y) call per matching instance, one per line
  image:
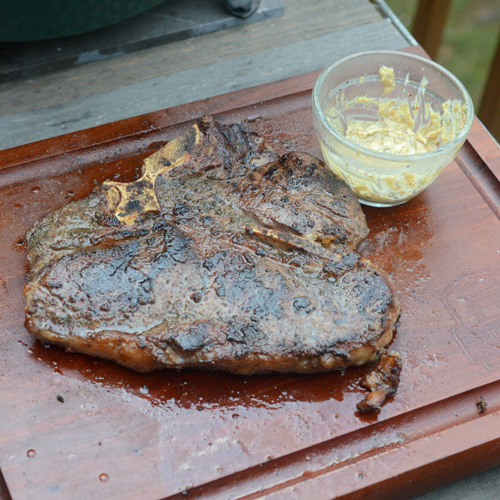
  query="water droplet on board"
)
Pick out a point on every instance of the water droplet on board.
point(103, 478)
point(31, 453)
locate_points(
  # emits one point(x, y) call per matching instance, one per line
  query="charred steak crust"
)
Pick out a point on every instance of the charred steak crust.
point(248, 264)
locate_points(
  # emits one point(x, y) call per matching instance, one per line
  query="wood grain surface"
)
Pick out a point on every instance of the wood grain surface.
point(308, 37)
point(302, 21)
point(77, 427)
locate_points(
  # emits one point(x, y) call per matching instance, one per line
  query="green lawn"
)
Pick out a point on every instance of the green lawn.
point(469, 40)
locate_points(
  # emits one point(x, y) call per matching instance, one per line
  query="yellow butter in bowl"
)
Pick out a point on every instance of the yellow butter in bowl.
point(389, 122)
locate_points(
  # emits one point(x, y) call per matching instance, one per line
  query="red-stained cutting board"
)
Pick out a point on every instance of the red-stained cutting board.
point(76, 427)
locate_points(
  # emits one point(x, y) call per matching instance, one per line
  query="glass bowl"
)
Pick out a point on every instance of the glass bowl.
point(385, 179)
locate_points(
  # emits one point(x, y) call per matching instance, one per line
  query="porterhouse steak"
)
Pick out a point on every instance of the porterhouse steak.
point(223, 255)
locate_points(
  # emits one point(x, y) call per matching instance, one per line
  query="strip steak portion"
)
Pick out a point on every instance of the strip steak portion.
point(224, 257)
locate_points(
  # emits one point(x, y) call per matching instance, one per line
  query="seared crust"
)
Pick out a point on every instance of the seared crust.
point(249, 265)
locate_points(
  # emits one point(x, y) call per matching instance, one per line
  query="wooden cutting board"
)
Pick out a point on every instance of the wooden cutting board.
point(76, 427)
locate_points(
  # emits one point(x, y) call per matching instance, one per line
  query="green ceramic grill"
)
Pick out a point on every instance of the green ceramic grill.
point(28, 20)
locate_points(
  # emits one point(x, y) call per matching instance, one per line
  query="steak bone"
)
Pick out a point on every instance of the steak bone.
point(128, 200)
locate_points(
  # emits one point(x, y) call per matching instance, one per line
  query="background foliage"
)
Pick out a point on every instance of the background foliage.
point(469, 40)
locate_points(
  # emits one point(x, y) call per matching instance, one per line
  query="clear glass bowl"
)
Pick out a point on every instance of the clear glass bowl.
point(378, 178)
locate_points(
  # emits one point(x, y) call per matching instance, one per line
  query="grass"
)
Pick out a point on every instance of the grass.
point(469, 40)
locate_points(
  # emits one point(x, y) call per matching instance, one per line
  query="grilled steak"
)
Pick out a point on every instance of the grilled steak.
point(223, 255)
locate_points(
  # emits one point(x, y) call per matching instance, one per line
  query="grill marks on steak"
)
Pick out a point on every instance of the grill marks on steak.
point(249, 265)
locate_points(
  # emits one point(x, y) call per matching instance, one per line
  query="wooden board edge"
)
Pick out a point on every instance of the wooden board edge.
point(150, 123)
point(4, 490)
point(470, 449)
point(157, 120)
point(481, 175)
point(388, 459)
